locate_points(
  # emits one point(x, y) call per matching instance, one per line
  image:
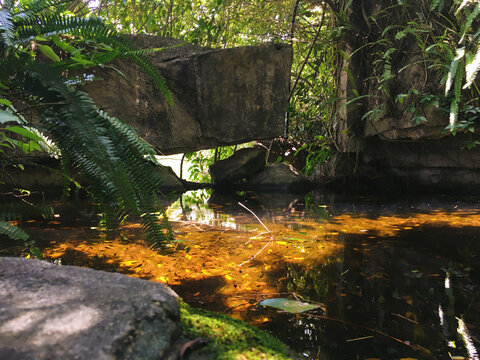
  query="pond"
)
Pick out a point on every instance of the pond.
point(392, 279)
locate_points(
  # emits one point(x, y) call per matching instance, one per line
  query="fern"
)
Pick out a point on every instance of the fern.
point(437, 4)
point(6, 26)
point(12, 231)
point(472, 69)
point(106, 151)
point(95, 29)
point(460, 53)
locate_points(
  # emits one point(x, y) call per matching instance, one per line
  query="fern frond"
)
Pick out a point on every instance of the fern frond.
point(158, 80)
point(31, 9)
point(457, 87)
point(63, 45)
point(93, 29)
point(460, 53)
point(471, 70)
point(12, 231)
point(17, 210)
point(107, 152)
point(467, 23)
point(6, 27)
point(453, 115)
point(437, 4)
point(463, 5)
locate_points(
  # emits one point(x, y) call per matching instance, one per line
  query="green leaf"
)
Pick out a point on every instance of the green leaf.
point(5, 102)
point(48, 52)
point(12, 231)
point(6, 116)
point(24, 132)
point(291, 306)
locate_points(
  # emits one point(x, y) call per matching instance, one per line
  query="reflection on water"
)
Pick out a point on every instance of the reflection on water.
point(395, 280)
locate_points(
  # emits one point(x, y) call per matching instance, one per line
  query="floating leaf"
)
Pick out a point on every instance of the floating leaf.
point(127, 263)
point(291, 306)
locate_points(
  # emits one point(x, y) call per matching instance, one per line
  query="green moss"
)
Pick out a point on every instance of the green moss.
point(230, 338)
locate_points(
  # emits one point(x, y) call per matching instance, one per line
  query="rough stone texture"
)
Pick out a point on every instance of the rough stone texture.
point(388, 147)
point(221, 96)
point(242, 164)
point(277, 176)
point(65, 312)
point(169, 180)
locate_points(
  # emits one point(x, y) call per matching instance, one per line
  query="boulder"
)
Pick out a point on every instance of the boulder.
point(277, 176)
point(66, 312)
point(220, 96)
point(169, 180)
point(242, 164)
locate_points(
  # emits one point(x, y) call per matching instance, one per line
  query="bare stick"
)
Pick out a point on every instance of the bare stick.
point(256, 217)
point(260, 221)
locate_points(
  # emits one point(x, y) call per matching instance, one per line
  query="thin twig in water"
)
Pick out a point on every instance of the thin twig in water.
point(405, 318)
point(362, 327)
point(360, 338)
point(260, 221)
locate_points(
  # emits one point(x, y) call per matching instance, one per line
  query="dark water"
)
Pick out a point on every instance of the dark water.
point(406, 286)
point(395, 279)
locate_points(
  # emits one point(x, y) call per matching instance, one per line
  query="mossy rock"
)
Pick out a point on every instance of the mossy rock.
point(228, 338)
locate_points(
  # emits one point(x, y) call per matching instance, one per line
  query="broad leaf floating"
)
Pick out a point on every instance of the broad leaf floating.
point(291, 306)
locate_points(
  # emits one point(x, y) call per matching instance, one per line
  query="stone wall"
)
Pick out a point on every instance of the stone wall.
point(387, 147)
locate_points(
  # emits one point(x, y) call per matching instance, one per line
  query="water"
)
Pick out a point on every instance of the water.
point(393, 279)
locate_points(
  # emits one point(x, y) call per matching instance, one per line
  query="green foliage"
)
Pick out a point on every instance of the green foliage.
point(200, 161)
point(442, 39)
point(118, 164)
point(15, 233)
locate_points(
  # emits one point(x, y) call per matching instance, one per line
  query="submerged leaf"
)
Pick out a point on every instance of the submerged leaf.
point(291, 306)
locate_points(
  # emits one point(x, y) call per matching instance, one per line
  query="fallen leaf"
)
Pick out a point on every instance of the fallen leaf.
point(291, 306)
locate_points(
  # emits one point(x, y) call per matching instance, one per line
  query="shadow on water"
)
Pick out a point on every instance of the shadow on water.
point(396, 279)
point(414, 295)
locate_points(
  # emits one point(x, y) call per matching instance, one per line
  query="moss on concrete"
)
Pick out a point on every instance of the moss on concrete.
point(229, 338)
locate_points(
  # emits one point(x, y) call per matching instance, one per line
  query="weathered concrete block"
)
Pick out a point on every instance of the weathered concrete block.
point(221, 96)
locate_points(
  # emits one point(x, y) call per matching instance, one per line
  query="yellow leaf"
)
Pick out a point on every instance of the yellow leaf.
point(205, 272)
point(267, 267)
point(188, 256)
point(162, 279)
point(282, 243)
point(228, 277)
point(127, 263)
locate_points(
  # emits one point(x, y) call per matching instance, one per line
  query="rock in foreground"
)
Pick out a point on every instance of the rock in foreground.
point(66, 312)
